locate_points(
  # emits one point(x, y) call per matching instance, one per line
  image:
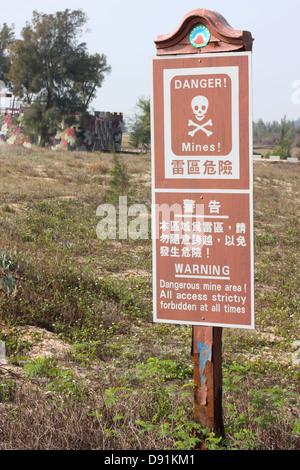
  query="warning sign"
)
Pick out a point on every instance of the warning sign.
point(202, 190)
point(203, 247)
point(201, 128)
point(201, 120)
point(201, 125)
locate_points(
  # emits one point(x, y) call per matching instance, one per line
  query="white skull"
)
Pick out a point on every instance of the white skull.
point(199, 106)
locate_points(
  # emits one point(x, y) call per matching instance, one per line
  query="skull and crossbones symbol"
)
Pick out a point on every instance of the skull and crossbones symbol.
point(199, 106)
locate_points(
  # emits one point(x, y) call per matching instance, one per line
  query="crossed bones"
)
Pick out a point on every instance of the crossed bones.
point(200, 126)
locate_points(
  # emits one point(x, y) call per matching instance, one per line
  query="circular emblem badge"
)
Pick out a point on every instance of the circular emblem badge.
point(199, 36)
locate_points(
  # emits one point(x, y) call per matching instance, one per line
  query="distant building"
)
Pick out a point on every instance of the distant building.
point(102, 131)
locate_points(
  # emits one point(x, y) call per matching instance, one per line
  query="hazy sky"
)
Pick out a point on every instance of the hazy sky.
point(125, 30)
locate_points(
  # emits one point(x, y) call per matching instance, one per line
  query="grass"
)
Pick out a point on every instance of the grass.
point(87, 368)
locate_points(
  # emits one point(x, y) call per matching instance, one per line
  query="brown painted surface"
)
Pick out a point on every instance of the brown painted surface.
point(210, 155)
point(203, 270)
point(215, 100)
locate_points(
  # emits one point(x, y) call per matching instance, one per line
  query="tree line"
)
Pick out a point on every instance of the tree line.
point(282, 137)
point(50, 69)
point(268, 133)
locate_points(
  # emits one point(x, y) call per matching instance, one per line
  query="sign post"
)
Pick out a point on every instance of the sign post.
point(202, 192)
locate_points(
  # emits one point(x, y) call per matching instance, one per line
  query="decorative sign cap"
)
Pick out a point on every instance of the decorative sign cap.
point(222, 37)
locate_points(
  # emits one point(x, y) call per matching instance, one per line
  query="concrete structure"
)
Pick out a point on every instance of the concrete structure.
point(103, 132)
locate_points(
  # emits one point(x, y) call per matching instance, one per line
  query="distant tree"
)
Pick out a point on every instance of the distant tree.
point(40, 124)
point(119, 183)
point(50, 67)
point(140, 127)
point(87, 73)
point(297, 139)
point(6, 38)
point(287, 135)
point(283, 136)
point(266, 133)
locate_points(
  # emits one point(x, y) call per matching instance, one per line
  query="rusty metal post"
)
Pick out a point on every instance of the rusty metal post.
point(207, 352)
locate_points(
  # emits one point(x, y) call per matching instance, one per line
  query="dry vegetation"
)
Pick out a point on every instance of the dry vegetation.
point(86, 367)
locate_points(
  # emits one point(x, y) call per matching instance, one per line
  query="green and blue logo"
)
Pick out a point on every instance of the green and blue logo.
point(199, 36)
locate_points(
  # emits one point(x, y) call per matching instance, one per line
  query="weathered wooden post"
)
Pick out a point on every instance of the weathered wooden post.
point(202, 192)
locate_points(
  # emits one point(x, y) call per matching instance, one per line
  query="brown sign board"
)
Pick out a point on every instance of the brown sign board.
point(202, 189)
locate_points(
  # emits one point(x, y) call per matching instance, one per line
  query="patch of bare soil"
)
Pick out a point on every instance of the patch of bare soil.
point(41, 343)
